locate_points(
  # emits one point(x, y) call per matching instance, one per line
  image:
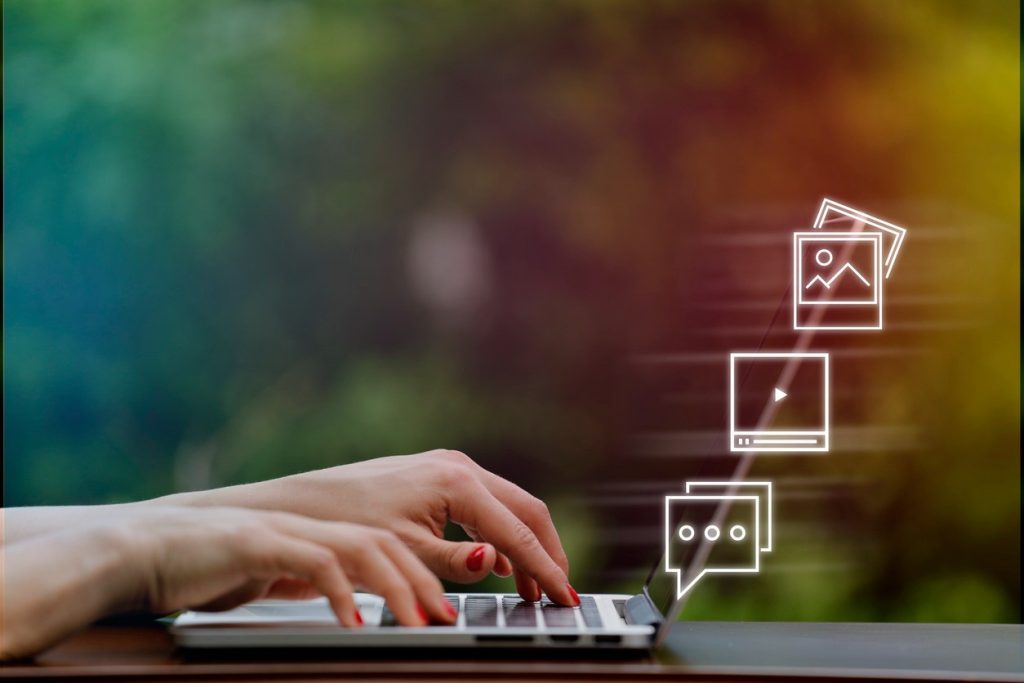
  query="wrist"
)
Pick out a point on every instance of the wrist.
point(126, 561)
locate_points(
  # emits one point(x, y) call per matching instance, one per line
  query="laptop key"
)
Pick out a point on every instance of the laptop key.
point(519, 613)
point(590, 613)
point(556, 616)
point(481, 610)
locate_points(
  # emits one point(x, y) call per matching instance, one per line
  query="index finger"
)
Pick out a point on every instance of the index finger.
point(476, 506)
point(531, 510)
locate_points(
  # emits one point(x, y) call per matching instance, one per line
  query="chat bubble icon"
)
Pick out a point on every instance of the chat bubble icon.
point(702, 537)
point(760, 488)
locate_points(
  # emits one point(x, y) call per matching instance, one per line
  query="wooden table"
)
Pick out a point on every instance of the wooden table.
point(695, 651)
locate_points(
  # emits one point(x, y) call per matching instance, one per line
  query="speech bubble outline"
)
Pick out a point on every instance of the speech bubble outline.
point(768, 507)
point(680, 589)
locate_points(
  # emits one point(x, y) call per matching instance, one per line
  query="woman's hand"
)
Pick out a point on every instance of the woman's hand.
point(166, 559)
point(414, 496)
point(217, 558)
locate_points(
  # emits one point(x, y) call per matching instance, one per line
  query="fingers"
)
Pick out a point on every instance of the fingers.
point(378, 561)
point(502, 567)
point(463, 562)
point(530, 510)
point(429, 593)
point(525, 511)
point(289, 589)
point(317, 565)
point(477, 507)
point(379, 575)
point(526, 586)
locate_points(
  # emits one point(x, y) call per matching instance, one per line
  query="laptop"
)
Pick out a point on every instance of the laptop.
point(490, 620)
point(640, 621)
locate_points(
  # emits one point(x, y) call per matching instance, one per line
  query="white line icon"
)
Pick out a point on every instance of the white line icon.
point(839, 269)
point(730, 529)
point(766, 510)
point(825, 257)
point(831, 212)
point(760, 386)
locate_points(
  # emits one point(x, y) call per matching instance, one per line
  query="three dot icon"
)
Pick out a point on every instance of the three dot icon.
point(686, 532)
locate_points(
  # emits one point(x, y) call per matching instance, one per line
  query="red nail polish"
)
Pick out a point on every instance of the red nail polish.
point(359, 618)
point(475, 560)
point(423, 613)
point(574, 594)
point(450, 610)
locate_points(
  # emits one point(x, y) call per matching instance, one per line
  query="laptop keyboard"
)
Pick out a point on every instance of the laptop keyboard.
point(482, 610)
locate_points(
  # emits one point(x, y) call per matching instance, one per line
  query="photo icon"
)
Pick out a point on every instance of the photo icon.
point(837, 281)
point(840, 267)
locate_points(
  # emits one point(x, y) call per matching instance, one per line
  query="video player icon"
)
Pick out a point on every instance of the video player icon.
point(779, 402)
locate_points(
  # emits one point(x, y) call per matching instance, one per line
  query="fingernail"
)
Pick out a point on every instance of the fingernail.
point(423, 614)
point(574, 594)
point(475, 560)
point(452, 612)
point(359, 618)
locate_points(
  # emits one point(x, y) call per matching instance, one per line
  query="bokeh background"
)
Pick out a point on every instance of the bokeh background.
point(248, 238)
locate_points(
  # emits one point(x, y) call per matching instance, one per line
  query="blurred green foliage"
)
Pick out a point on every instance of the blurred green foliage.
point(209, 207)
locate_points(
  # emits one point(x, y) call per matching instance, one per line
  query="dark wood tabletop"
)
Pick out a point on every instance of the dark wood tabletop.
point(695, 651)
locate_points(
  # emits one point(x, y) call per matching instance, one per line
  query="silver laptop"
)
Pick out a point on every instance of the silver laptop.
point(490, 620)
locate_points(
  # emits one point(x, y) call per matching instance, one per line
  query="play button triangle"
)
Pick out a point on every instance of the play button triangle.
point(779, 394)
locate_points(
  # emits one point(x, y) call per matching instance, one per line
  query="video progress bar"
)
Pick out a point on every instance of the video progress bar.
point(784, 441)
point(780, 443)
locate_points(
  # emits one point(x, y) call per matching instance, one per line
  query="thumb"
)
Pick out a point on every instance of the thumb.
point(463, 562)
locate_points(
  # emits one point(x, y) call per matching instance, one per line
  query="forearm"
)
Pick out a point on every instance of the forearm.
point(57, 583)
point(242, 495)
point(30, 522)
point(287, 494)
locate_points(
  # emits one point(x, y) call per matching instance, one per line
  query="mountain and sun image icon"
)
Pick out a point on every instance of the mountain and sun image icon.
point(825, 258)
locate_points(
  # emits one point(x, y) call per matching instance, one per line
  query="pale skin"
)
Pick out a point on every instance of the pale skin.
point(375, 526)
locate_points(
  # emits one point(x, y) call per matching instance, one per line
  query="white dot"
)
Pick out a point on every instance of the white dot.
point(711, 532)
point(737, 532)
point(686, 532)
point(823, 257)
